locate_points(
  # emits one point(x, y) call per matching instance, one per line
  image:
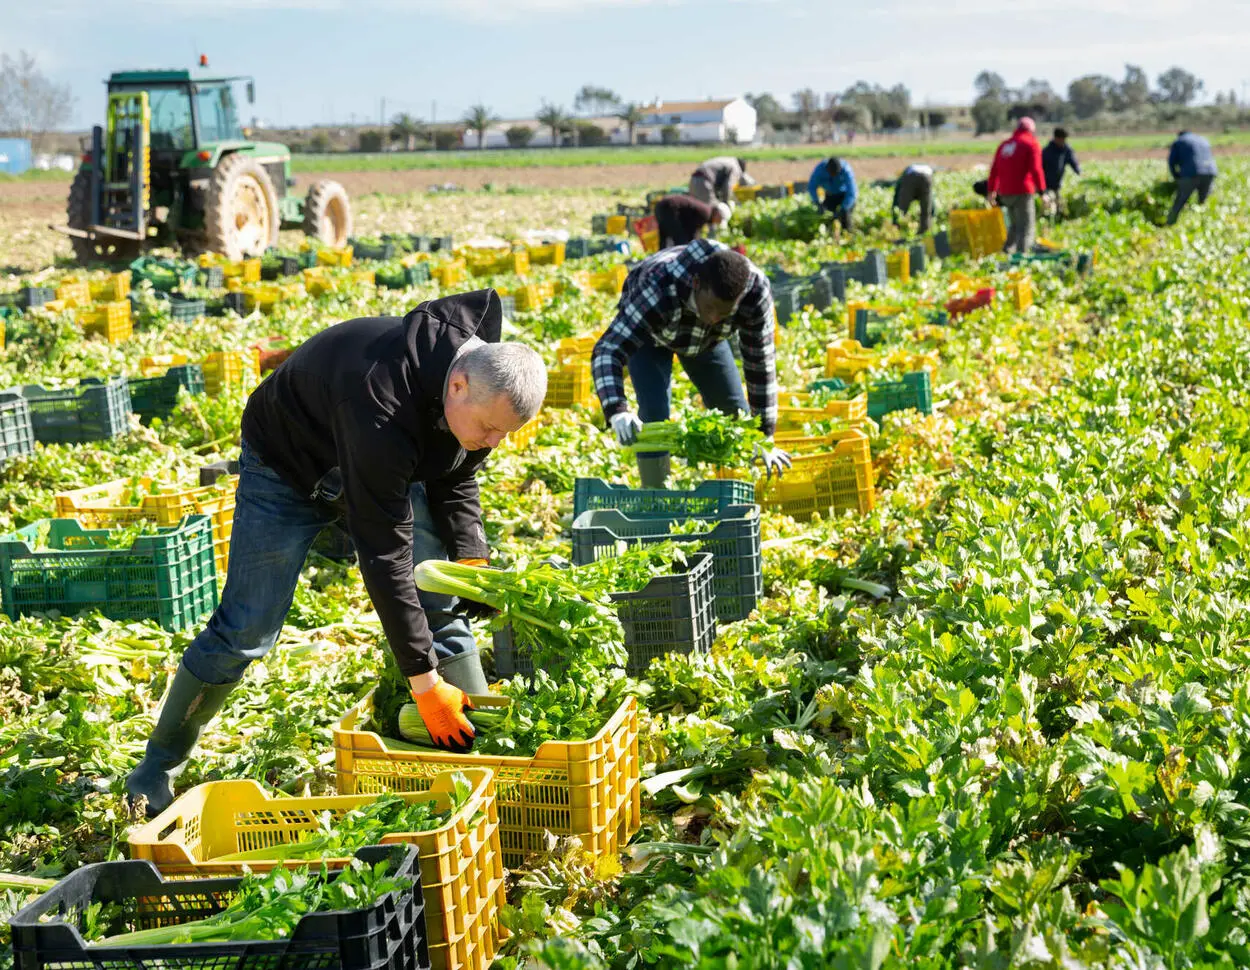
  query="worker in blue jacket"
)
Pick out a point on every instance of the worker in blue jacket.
point(836, 178)
point(1192, 164)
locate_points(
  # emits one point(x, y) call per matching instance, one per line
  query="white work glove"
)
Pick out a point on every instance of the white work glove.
point(626, 425)
point(775, 460)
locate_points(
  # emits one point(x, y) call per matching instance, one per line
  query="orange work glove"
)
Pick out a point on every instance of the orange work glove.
point(442, 709)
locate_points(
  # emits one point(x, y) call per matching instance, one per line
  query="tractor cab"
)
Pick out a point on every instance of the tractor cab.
point(173, 165)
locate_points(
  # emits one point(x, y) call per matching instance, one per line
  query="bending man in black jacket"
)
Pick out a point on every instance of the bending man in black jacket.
point(382, 423)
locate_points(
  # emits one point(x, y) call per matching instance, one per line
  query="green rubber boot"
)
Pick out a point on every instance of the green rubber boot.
point(189, 706)
point(464, 670)
point(653, 470)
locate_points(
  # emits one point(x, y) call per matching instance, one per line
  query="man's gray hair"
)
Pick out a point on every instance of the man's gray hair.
point(511, 369)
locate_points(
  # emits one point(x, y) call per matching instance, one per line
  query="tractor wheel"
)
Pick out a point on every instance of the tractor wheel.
point(328, 213)
point(241, 215)
point(78, 216)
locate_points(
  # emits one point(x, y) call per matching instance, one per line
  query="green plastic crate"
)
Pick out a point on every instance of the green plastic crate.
point(156, 397)
point(170, 577)
point(94, 410)
point(915, 390)
point(708, 498)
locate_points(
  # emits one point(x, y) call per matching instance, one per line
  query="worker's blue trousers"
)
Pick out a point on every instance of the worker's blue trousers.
point(274, 527)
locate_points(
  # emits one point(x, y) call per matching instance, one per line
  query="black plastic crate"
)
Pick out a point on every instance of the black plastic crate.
point(917, 257)
point(870, 270)
point(156, 397)
point(417, 274)
point(235, 302)
point(788, 298)
point(419, 243)
point(276, 267)
point(34, 296)
point(94, 410)
point(185, 310)
point(835, 276)
point(212, 277)
point(942, 244)
point(598, 226)
point(209, 474)
point(707, 498)
point(441, 244)
point(47, 934)
point(17, 434)
point(363, 250)
point(868, 327)
point(508, 304)
point(671, 614)
point(773, 192)
point(733, 539)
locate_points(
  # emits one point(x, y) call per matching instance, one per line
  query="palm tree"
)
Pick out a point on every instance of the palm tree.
point(405, 128)
point(479, 119)
point(631, 114)
point(555, 118)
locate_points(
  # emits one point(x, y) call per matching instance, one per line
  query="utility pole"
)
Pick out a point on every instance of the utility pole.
point(382, 114)
point(433, 111)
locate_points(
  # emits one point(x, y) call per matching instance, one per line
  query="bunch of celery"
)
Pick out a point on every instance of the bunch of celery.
point(270, 906)
point(703, 437)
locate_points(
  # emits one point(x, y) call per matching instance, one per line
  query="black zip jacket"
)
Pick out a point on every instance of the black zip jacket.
point(362, 402)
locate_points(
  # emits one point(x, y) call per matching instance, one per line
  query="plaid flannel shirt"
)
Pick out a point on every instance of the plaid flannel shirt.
point(657, 302)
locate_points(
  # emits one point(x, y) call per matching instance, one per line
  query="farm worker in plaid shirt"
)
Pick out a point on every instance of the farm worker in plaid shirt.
point(686, 302)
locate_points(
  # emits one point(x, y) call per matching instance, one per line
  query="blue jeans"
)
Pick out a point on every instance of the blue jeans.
point(714, 374)
point(274, 527)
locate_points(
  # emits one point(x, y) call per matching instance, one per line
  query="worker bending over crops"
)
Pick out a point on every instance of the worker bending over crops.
point(681, 219)
point(381, 423)
point(1015, 177)
point(686, 302)
point(915, 185)
point(1192, 164)
point(835, 178)
point(716, 179)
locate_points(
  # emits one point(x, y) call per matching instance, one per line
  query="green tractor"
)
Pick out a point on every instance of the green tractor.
point(173, 167)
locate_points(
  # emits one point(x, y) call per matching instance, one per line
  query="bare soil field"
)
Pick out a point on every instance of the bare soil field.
point(27, 207)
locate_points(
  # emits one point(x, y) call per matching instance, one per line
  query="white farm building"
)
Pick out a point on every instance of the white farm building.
point(709, 122)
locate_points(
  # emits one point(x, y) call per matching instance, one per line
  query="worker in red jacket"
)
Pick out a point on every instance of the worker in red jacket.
point(1015, 177)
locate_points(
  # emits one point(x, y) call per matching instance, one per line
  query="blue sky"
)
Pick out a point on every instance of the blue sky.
point(314, 60)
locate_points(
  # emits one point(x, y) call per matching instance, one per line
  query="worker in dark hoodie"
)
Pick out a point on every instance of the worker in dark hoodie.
point(381, 424)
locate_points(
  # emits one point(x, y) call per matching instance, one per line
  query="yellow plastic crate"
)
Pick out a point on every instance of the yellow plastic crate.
point(366, 276)
point(231, 369)
point(589, 789)
point(610, 280)
point(790, 418)
point(462, 876)
point(449, 273)
point(109, 505)
point(848, 359)
point(548, 254)
point(114, 286)
point(534, 296)
point(977, 232)
point(334, 257)
point(746, 193)
point(898, 266)
point(524, 436)
point(572, 349)
point(266, 296)
point(838, 479)
point(74, 292)
point(961, 284)
point(244, 270)
point(1021, 290)
point(617, 225)
point(112, 321)
point(909, 361)
point(569, 385)
point(880, 309)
